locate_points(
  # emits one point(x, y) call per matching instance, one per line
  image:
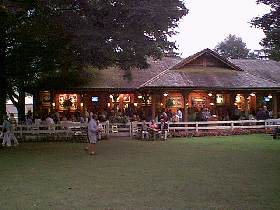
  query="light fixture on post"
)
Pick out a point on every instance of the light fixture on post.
point(108, 104)
point(212, 104)
point(82, 104)
point(165, 94)
point(135, 104)
point(210, 94)
point(140, 97)
point(269, 96)
point(252, 94)
point(53, 104)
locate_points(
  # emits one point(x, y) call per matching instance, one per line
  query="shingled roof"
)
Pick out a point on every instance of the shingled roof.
point(113, 78)
point(266, 69)
point(207, 69)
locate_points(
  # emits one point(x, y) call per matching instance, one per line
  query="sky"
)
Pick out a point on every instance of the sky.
point(211, 21)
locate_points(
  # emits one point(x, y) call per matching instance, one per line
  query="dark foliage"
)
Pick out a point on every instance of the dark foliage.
point(270, 24)
point(48, 43)
point(232, 47)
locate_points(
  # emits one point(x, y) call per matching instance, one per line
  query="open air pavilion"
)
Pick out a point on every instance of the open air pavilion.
point(203, 80)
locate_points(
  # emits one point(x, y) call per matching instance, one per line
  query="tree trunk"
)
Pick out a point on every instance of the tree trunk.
point(3, 77)
point(21, 105)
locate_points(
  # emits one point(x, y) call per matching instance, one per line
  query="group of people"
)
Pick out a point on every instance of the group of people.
point(8, 127)
point(153, 130)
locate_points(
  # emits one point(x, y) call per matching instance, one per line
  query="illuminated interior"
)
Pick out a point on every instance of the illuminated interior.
point(64, 97)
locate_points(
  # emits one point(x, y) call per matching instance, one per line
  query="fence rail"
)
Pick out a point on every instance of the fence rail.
point(70, 130)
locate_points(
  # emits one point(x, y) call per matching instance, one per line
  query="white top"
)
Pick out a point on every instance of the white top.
point(180, 114)
point(92, 127)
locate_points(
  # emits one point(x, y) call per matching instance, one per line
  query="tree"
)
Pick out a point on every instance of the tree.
point(232, 47)
point(44, 41)
point(270, 24)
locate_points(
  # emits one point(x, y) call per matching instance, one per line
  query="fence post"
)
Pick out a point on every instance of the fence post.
point(130, 129)
point(20, 128)
point(108, 128)
point(196, 127)
point(232, 125)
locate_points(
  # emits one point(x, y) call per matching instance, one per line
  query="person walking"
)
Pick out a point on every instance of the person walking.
point(92, 134)
point(13, 127)
point(6, 129)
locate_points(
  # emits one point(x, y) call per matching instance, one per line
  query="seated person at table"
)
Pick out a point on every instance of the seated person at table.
point(144, 130)
point(153, 126)
point(153, 129)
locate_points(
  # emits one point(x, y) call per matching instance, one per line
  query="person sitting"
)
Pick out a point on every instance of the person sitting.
point(154, 126)
point(175, 118)
point(205, 114)
point(49, 120)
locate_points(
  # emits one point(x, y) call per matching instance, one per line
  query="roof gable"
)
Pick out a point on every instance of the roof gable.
point(206, 59)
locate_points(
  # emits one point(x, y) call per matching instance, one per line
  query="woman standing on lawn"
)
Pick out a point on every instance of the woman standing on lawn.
point(6, 129)
point(92, 134)
point(13, 127)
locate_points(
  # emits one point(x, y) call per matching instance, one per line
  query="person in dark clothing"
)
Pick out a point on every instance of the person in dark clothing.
point(262, 114)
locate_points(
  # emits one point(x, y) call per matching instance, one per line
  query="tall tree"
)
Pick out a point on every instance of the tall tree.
point(232, 47)
point(55, 38)
point(270, 24)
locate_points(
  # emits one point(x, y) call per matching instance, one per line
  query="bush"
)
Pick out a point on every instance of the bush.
point(202, 133)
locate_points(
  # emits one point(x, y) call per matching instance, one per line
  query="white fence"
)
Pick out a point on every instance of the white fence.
point(69, 130)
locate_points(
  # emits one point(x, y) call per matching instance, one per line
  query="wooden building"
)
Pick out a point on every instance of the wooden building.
point(203, 80)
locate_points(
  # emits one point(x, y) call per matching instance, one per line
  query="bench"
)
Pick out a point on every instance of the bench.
point(274, 127)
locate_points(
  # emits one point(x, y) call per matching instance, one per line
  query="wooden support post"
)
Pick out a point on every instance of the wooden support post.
point(186, 100)
point(246, 104)
point(275, 106)
point(232, 98)
point(154, 101)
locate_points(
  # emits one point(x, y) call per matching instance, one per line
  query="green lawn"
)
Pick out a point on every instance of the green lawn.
point(241, 172)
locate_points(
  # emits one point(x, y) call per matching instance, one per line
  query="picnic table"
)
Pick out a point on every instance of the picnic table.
point(274, 124)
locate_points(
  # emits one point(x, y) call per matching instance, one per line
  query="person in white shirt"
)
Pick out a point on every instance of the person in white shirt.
point(92, 135)
point(49, 121)
point(180, 115)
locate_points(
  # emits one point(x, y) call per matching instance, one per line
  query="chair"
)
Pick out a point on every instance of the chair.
point(135, 131)
point(115, 129)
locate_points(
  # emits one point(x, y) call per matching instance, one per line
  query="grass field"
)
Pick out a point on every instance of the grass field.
point(241, 172)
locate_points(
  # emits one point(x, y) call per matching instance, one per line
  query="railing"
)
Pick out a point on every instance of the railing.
point(219, 125)
point(69, 130)
point(63, 130)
